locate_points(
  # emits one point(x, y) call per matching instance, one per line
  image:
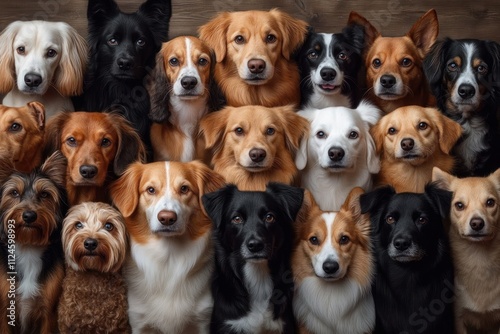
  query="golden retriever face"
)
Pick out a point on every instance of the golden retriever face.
point(413, 134)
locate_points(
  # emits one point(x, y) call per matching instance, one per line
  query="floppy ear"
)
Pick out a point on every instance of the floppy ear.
point(439, 198)
point(130, 146)
point(214, 203)
point(449, 130)
point(425, 31)
point(158, 13)
point(441, 178)
point(207, 180)
point(214, 34)
point(55, 167)
point(371, 33)
point(124, 192)
point(37, 110)
point(370, 116)
point(73, 63)
point(159, 91)
point(378, 133)
point(301, 156)
point(53, 130)
point(289, 197)
point(295, 126)
point(434, 65)
point(352, 204)
point(212, 128)
point(7, 67)
point(494, 49)
point(293, 32)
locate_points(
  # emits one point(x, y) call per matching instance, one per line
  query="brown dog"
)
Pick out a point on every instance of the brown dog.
point(253, 52)
point(98, 146)
point(22, 134)
point(411, 141)
point(394, 65)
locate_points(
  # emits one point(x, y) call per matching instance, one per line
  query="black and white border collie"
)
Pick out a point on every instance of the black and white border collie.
point(329, 66)
point(464, 76)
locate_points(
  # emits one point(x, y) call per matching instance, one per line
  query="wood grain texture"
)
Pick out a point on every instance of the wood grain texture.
point(458, 19)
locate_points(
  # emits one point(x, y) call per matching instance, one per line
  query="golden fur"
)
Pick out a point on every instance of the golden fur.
point(401, 57)
point(235, 133)
point(476, 253)
point(270, 38)
point(433, 135)
point(22, 135)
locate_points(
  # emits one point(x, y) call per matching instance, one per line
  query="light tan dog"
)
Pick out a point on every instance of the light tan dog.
point(475, 244)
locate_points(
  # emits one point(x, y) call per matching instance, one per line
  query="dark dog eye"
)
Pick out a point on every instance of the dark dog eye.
point(184, 189)
point(422, 220)
point(353, 135)
point(14, 193)
point(174, 61)
point(422, 126)
point(78, 225)
point(312, 55)
point(71, 141)
point(44, 194)
point(320, 134)
point(490, 202)
point(237, 220)
point(270, 131)
point(390, 220)
point(109, 227)
point(202, 61)
point(376, 63)
point(270, 218)
point(344, 240)
point(141, 42)
point(271, 39)
point(459, 206)
point(15, 127)
point(51, 53)
point(452, 67)
point(105, 142)
point(342, 56)
point(239, 131)
point(481, 69)
point(239, 39)
point(151, 190)
point(314, 241)
point(406, 62)
point(392, 131)
point(113, 42)
point(21, 50)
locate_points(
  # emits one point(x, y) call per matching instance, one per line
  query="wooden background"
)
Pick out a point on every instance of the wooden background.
point(458, 19)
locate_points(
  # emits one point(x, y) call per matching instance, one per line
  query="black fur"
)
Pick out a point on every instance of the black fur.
point(412, 295)
point(233, 239)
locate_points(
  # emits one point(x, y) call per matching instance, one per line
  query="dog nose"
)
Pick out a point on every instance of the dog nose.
point(401, 243)
point(189, 82)
point(256, 66)
point(387, 81)
point(257, 154)
point(255, 245)
point(32, 80)
point(167, 217)
point(90, 244)
point(407, 144)
point(330, 267)
point(125, 63)
point(466, 91)
point(336, 154)
point(328, 74)
point(88, 171)
point(29, 216)
point(477, 224)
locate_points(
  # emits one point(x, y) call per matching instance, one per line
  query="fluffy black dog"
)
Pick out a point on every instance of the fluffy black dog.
point(253, 236)
point(413, 288)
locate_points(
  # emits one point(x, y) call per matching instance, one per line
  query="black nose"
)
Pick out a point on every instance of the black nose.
point(257, 154)
point(29, 216)
point(256, 66)
point(466, 91)
point(336, 154)
point(330, 267)
point(189, 82)
point(32, 80)
point(90, 244)
point(255, 245)
point(477, 224)
point(387, 81)
point(401, 243)
point(125, 63)
point(328, 74)
point(407, 144)
point(88, 171)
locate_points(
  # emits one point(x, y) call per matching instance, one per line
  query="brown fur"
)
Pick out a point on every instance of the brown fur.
point(89, 130)
point(231, 150)
point(22, 135)
point(475, 259)
point(433, 144)
point(282, 87)
point(391, 51)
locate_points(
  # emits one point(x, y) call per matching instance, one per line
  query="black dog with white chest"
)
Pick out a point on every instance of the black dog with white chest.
point(329, 65)
point(464, 76)
point(413, 287)
point(253, 233)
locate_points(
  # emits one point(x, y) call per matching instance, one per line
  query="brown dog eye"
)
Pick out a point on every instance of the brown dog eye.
point(390, 220)
point(239, 131)
point(173, 62)
point(270, 218)
point(239, 39)
point(151, 190)
point(353, 135)
point(490, 202)
point(344, 240)
point(15, 127)
point(422, 220)
point(342, 56)
point(320, 134)
point(237, 220)
point(184, 189)
point(459, 206)
point(482, 69)
point(452, 67)
point(105, 142)
point(312, 55)
point(109, 226)
point(14, 193)
point(51, 53)
point(202, 61)
point(21, 50)
point(270, 131)
point(112, 41)
point(392, 131)
point(271, 38)
point(314, 241)
point(71, 141)
point(422, 126)
point(406, 62)
point(376, 63)
point(78, 225)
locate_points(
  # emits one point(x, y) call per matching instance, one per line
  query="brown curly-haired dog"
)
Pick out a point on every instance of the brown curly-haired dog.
point(94, 298)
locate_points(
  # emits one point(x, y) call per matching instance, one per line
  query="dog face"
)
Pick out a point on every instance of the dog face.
point(255, 225)
point(475, 211)
point(167, 195)
point(35, 203)
point(38, 55)
point(462, 74)
point(94, 237)
point(253, 41)
point(93, 142)
point(413, 134)
point(339, 138)
point(408, 226)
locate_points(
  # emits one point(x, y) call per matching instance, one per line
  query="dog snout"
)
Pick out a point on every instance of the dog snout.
point(90, 244)
point(387, 80)
point(257, 154)
point(336, 154)
point(256, 66)
point(407, 144)
point(32, 80)
point(466, 91)
point(328, 74)
point(29, 216)
point(330, 267)
point(167, 217)
point(255, 245)
point(189, 82)
point(88, 171)
point(477, 224)
point(125, 63)
point(402, 243)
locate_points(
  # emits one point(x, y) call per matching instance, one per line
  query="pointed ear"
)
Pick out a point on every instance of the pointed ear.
point(130, 146)
point(352, 203)
point(441, 178)
point(207, 180)
point(37, 110)
point(295, 126)
point(495, 178)
point(439, 198)
point(158, 89)
point(125, 191)
point(289, 197)
point(449, 130)
point(214, 34)
point(293, 32)
point(53, 131)
point(371, 33)
point(55, 167)
point(212, 128)
point(214, 203)
point(7, 67)
point(100, 11)
point(158, 13)
point(425, 32)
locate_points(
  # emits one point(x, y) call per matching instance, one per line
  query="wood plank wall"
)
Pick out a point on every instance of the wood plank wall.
point(458, 19)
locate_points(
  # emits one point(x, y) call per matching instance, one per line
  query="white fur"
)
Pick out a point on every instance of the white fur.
point(466, 77)
point(330, 187)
